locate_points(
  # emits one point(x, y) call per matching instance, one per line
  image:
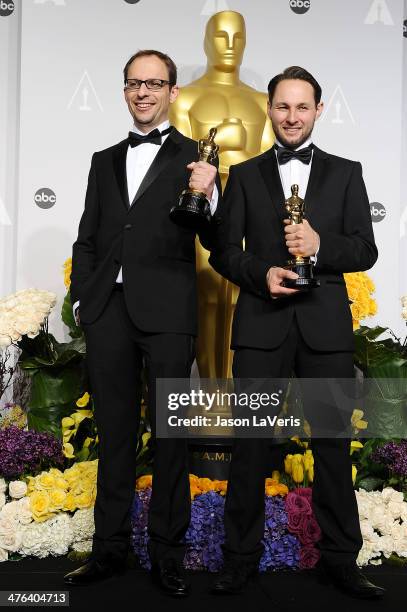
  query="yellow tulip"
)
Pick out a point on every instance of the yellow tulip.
point(68, 450)
point(297, 472)
point(288, 464)
point(84, 400)
point(311, 473)
point(355, 445)
point(308, 459)
point(354, 473)
point(67, 422)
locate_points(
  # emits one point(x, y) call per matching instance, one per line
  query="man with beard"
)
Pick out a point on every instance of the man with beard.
point(278, 330)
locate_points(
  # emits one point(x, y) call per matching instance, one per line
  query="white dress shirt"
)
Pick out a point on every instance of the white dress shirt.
point(295, 172)
point(138, 161)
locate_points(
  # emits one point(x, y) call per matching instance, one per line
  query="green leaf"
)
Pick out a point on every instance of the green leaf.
point(68, 318)
point(48, 418)
point(371, 483)
point(394, 559)
point(53, 387)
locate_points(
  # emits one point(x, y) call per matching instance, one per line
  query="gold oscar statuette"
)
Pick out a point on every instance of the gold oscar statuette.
point(193, 208)
point(301, 265)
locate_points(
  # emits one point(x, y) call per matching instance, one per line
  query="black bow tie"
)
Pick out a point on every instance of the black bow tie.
point(285, 155)
point(154, 137)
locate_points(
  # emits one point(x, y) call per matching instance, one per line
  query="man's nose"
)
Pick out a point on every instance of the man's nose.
point(292, 116)
point(143, 91)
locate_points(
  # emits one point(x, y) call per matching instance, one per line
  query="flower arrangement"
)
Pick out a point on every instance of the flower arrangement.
point(27, 451)
point(360, 287)
point(23, 313)
point(383, 522)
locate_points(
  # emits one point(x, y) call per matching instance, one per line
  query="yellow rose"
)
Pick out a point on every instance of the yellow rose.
point(45, 481)
point(69, 503)
point(57, 498)
point(39, 505)
point(84, 500)
point(84, 400)
point(72, 474)
point(67, 267)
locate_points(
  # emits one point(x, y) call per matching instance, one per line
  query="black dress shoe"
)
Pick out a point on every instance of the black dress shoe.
point(349, 578)
point(234, 578)
point(167, 575)
point(94, 571)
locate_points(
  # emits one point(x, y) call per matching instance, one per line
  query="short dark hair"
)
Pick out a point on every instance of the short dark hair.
point(295, 72)
point(172, 69)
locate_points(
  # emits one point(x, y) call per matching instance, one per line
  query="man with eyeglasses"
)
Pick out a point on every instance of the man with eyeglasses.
point(133, 285)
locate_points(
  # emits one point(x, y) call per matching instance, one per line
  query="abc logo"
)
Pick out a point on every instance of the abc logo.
point(45, 198)
point(405, 28)
point(377, 211)
point(6, 7)
point(300, 6)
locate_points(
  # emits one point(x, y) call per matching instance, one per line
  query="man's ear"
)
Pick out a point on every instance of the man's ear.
point(174, 93)
point(320, 108)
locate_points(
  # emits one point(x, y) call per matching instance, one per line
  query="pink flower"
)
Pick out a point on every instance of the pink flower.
point(297, 503)
point(309, 556)
point(310, 531)
point(305, 492)
point(295, 523)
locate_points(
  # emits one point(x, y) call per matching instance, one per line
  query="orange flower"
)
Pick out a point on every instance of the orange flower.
point(144, 482)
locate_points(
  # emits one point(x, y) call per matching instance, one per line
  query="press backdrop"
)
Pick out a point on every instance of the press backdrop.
point(61, 99)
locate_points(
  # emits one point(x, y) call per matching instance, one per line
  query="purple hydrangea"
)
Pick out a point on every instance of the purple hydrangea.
point(393, 455)
point(205, 534)
point(28, 452)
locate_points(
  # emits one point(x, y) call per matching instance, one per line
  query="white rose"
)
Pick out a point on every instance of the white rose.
point(10, 511)
point(3, 485)
point(2, 500)
point(3, 555)
point(380, 520)
point(396, 509)
point(17, 489)
point(11, 541)
point(25, 516)
point(389, 494)
point(386, 545)
point(8, 526)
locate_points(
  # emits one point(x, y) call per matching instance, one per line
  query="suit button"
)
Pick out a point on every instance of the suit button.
point(128, 226)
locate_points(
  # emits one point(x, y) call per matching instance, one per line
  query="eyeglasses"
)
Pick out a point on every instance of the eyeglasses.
point(153, 84)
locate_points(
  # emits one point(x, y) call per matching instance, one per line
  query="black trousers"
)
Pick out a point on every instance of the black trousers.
point(333, 497)
point(116, 350)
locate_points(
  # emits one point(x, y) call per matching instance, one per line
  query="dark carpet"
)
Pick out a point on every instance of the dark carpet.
point(273, 591)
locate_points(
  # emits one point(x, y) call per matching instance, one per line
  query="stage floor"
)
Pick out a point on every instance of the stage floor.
point(279, 591)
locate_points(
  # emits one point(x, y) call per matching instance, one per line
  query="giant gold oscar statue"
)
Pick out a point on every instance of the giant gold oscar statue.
point(220, 99)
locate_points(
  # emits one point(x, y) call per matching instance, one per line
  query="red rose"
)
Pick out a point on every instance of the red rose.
point(309, 557)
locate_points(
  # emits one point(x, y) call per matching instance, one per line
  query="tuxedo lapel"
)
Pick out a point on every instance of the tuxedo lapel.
point(119, 165)
point(318, 171)
point(166, 153)
point(269, 171)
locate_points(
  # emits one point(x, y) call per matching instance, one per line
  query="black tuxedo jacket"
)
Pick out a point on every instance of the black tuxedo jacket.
point(157, 256)
point(337, 207)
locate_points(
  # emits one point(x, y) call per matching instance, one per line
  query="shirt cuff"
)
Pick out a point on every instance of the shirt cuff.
point(214, 200)
point(75, 308)
point(314, 258)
